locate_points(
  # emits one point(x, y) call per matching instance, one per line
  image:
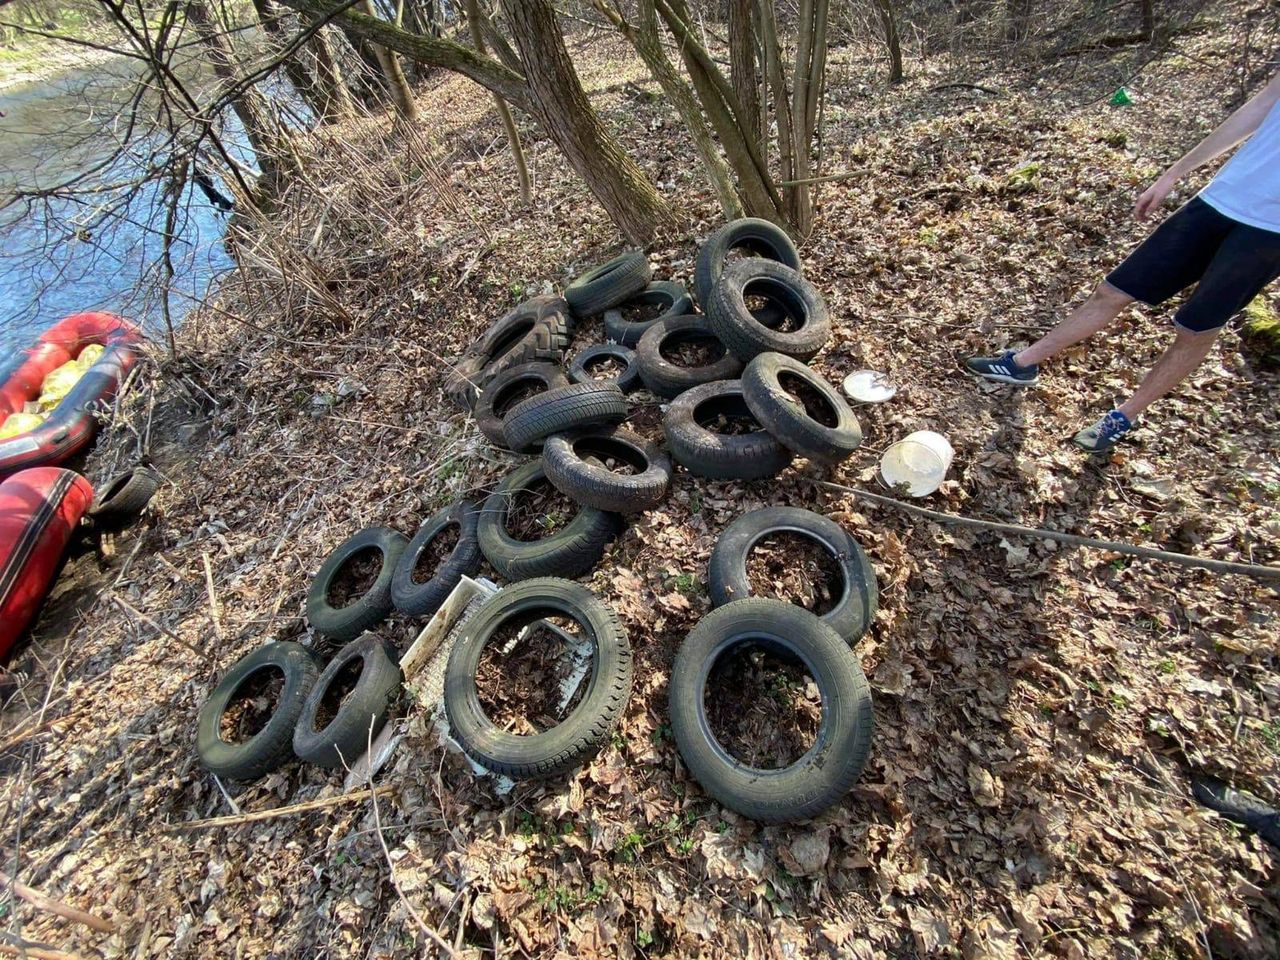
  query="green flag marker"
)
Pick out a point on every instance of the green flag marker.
point(1121, 98)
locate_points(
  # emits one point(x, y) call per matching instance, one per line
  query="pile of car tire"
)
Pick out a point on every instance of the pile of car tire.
point(763, 321)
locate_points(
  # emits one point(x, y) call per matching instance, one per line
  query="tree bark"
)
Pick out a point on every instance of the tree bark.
point(1148, 12)
point(743, 70)
point(745, 156)
point(889, 21)
point(562, 107)
point(270, 143)
point(303, 82)
point(475, 21)
point(329, 79)
point(645, 38)
point(397, 86)
point(487, 72)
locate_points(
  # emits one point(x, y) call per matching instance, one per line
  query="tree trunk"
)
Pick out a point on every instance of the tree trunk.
point(889, 20)
point(397, 86)
point(294, 68)
point(490, 74)
point(716, 95)
point(329, 79)
point(1148, 11)
point(475, 20)
point(645, 38)
point(743, 69)
point(270, 144)
point(562, 107)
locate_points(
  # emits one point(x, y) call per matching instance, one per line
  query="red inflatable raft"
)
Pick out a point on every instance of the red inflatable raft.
point(71, 424)
point(40, 510)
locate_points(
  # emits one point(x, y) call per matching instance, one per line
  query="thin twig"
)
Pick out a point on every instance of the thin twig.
point(50, 905)
point(438, 940)
point(11, 945)
point(1147, 553)
point(259, 815)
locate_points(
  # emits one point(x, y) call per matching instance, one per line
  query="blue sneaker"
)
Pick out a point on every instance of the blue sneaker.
point(1104, 434)
point(1002, 369)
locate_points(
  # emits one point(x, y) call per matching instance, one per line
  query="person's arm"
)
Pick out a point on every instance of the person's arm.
point(1237, 127)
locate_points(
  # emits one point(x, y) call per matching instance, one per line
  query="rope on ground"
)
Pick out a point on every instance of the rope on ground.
point(1255, 570)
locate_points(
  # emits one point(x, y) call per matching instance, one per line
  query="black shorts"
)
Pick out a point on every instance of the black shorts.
point(1231, 260)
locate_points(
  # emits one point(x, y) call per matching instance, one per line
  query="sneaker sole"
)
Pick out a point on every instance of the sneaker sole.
point(1001, 378)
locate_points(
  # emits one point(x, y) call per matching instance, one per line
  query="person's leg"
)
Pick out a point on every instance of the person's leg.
point(1247, 260)
point(1096, 313)
point(1188, 350)
point(1175, 256)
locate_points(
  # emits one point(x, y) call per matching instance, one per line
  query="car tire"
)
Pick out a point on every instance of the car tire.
point(569, 408)
point(760, 237)
point(788, 420)
point(727, 578)
point(666, 379)
point(272, 746)
point(371, 608)
point(570, 552)
point(609, 284)
point(671, 299)
point(494, 403)
point(587, 728)
point(424, 599)
point(362, 713)
point(592, 485)
point(720, 456)
point(825, 773)
point(122, 500)
point(626, 381)
point(746, 335)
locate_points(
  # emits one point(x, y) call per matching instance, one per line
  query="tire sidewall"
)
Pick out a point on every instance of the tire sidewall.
point(825, 773)
point(346, 623)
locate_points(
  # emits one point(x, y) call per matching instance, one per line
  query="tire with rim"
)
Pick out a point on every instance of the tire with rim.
point(567, 460)
point(123, 499)
point(666, 379)
point(361, 714)
point(787, 419)
point(670, 300)
point(830, 767)
point(586, 729)
point(727, 575)
point(609, 284)
point(272, 746)
point(536, 330)
point(747, 336)
point(626, 381)
point(495, 400)
point(424, 599)
point(705, 452)
point(569, 552)
point(758, 237)
point(371, 607)
point(569, 408)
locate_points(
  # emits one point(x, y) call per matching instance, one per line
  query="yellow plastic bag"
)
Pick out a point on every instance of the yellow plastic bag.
point(89, 356)
point(19, 423)
point(58, 383)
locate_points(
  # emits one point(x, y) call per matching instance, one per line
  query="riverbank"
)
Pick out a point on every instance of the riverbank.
point(1039, 710)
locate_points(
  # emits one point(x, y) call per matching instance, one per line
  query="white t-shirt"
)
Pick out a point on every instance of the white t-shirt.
point(1247, 188)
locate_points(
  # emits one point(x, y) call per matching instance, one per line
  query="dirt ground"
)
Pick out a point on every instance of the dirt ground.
point(1040, 710)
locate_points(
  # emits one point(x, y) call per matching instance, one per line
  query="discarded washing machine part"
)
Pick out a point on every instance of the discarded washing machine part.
point(919, 461)
point(869, 386)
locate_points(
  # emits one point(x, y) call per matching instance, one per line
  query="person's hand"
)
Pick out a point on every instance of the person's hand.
point(1152, 197)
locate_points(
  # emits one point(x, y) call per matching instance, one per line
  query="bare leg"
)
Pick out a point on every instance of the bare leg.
point(1087, 319)
point(1186, 353)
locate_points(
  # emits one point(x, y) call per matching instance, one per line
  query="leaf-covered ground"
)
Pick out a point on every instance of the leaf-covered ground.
point(1039, 709)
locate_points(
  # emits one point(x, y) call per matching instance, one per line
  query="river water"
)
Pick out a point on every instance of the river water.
point(60, 255)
